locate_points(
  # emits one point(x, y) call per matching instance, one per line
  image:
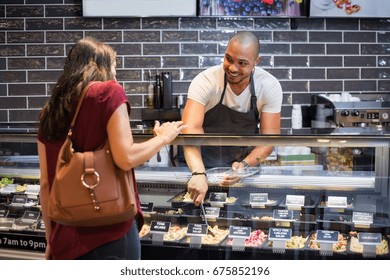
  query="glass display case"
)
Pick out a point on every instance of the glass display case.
point(320, 195)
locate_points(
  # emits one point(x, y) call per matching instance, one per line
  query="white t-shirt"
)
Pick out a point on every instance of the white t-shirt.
point(206, 88)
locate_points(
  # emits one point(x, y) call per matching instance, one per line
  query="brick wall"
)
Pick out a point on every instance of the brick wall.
point(307, 55)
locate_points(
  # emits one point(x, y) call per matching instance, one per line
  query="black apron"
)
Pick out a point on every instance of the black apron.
point(222, 119)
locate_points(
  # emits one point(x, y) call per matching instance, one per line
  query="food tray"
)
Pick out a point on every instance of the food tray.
point(323, 204)
point(6, 223)
point(338, 248)
point(311, 201)
point(297, 217)
point(343, 222)
point(355, 248)
point(216, 174)
point(221, 234)
point(273, 201)
point(182, 200)
point(144, 231)
point(298, 242)
point(176, 233)
point(168, 211)
point(256, 239)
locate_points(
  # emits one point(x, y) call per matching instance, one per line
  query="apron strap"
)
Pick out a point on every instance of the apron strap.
point(254, 98)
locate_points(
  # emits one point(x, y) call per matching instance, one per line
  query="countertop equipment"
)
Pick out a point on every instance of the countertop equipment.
point(325, 113)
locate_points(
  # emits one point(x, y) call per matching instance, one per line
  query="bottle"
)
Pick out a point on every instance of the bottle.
point(296, 117)
point(157, 93)
point(166, 91)
point(150, 98)
point(180, 104)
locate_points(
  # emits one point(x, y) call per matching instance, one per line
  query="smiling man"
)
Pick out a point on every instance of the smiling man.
point(236, 97)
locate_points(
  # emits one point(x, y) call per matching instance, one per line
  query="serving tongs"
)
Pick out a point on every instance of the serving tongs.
point(205, 220)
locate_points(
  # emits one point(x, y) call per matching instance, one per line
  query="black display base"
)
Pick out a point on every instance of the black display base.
point(153, 252)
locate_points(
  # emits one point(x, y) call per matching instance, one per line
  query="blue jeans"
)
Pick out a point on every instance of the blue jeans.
point(126, 248)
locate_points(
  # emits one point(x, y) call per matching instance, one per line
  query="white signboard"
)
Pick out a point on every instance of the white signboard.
point(350, 8)
point(139, 8)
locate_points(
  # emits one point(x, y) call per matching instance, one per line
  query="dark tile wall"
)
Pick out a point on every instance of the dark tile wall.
point(308, 56)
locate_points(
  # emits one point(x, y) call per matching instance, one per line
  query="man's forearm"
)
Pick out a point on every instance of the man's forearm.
point(258, 155)
point(193, 158)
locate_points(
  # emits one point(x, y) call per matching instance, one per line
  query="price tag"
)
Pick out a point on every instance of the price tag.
point(337, 202)
point(295, 201)
point(369, 240)
point(239, 232)
point(3, 213)
point(239, 235)
point(31, 202)
point(19, 199)
point(8, 189)
point(147, 207)
point(217, 199)
point(158, 229)
point(258, 199)
point(362, 218)
point(31, 217)
point(279, 236)
point(283, 215)
point(212, 212)
point(41, 225)
point(327, 238)
point(196, 231)
point(33, 189)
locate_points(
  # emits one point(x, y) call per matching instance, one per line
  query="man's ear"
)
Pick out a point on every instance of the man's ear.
point(257, 61)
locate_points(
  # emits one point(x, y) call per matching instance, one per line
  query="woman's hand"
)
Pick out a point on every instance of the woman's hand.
point(168, 130)
point(48, 252)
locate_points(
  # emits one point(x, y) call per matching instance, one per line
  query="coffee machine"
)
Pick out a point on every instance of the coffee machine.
point(333, 112)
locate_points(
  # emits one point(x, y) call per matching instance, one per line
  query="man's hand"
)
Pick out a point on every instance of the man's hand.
point(197, 187)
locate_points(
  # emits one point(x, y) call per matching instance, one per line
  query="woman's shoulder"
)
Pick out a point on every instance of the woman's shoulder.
point(106, 89)
point(107, 85)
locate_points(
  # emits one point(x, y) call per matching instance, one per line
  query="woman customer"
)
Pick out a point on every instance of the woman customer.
point(104, 114)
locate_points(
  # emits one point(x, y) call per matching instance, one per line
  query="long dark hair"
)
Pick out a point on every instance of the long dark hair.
point(88, 60)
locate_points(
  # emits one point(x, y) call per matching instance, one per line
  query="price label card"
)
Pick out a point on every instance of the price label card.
point(258, 199)
point(337, 202)
point(212, 212)
point(279, 234)
point(327, 236)
point(31, 216)
point(283, 215)
point(19, 199)
point(160, 227)
point(3, 213)
point(362, 218)
point(197, 229)
point(370, 238)
point(8, 189)
point(217, 197)
point(147, 207)
point(239, 232)
point(296, 201)
point(33, 189)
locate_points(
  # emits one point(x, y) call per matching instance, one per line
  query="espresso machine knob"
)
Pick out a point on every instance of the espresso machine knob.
point(345, 113)
point(385, 116)
point(355, 113)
